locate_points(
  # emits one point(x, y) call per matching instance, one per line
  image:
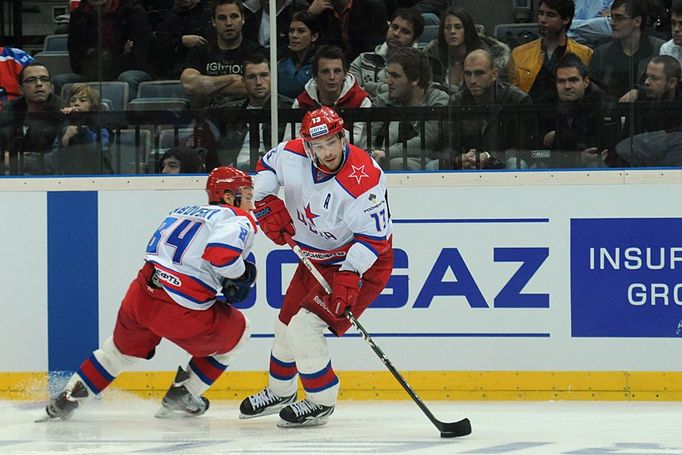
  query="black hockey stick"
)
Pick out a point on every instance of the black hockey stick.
point(447, 429)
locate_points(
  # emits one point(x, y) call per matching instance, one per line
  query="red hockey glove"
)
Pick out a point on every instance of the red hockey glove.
point(274, 219)
point(345, 291)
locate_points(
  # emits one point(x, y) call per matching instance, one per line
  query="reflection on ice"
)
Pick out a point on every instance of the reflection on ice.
point(120, 423)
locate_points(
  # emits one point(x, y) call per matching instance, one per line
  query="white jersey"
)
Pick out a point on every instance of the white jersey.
point(196, 248)
point(340, 218)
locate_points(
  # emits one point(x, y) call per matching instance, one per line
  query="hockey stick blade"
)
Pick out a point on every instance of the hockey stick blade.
point(45, 418)
point(168, 414)
point(447, 429)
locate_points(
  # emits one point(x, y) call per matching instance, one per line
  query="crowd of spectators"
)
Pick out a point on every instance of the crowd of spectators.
point(561, 100)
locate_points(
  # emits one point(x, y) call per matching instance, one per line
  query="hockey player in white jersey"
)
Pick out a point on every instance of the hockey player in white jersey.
point(336, 210)
point(196, 253)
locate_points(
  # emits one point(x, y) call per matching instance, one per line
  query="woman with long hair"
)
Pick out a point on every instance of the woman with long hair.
point(294, 70)
point(457, 37)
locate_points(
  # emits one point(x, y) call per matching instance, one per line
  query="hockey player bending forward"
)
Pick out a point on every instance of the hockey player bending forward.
point(197, 252)
point(335, 209)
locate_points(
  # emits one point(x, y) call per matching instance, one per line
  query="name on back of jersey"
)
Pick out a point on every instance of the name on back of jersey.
point(196, 211)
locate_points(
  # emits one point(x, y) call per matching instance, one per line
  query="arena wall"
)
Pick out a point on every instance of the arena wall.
point(533, 286)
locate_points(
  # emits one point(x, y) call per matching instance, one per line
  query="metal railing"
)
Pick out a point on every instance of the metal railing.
point(512, 134)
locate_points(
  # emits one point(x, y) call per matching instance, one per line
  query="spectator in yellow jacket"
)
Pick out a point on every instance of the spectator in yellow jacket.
point(533, 63)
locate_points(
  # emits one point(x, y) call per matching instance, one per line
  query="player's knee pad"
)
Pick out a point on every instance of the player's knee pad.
point(228, 357)
point(112, 359)
point(305, 335)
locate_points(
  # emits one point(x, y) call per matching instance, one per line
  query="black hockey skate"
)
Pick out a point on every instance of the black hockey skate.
point(263, 403)
point(304, 413)
point(178, 402)
point(63, 405)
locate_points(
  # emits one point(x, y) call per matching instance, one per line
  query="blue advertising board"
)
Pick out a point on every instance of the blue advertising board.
point(626, 277)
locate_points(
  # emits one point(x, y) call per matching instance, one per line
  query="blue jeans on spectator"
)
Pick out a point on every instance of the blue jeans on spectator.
point(591, 32)
point(132, 77)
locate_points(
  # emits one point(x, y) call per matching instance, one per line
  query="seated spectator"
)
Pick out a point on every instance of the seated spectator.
point(662, 78)
point(157, 11)
point(12, 60)
point(579, 132)
point(591, 25)
point(296, 69)
point(239, 147)
point(213, 73)
point(409, 85)
point(652, 148)
point(355, 26)
point(182, 160)
point(257, 21)
point(457, 36)
point(658, 141)
point(124, 51)
point(661, 85)
point(661, 82)
point(533, 63)
point(617, 66)
point(488, 141)
point(430, 10)
point(30, 139)
point(79, 149)
point(674, 46)
point(369, 68)
point(186, 26)
point(332, 85)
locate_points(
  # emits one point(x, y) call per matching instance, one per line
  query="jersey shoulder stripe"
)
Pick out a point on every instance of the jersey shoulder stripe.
point(296, 147)
point(221, 254)
point(263, 166)
point(239, 212)
point(359, 173)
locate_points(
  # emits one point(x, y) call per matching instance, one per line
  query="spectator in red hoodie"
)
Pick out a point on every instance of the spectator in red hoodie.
point(332, 85)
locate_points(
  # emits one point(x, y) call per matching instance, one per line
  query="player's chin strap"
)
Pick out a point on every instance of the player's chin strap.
point(447, 430)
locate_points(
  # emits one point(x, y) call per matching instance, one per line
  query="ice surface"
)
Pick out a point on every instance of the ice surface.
point(119, 423)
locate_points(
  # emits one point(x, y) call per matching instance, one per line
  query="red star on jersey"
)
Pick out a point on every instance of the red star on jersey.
point(310, 215)
point(358, 173)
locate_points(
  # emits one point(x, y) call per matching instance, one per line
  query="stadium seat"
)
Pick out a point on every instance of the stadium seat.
point(516, 34)
point(160, 89)
point(158, 104)
point(55, 62)
point(167, 137)
point(126, 157)
point(116, 92)
point(430, 33)
point(55, 43)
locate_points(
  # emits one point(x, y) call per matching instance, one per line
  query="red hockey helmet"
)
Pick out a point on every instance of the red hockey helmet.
point(320, 123)
point(226, 178)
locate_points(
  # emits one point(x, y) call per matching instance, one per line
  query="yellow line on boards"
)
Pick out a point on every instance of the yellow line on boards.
point(430, 385)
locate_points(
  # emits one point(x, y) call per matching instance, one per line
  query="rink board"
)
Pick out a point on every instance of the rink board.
point(530, 285)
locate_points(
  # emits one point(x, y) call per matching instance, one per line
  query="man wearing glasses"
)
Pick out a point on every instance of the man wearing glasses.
point(617, 66)
point(28, 140)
